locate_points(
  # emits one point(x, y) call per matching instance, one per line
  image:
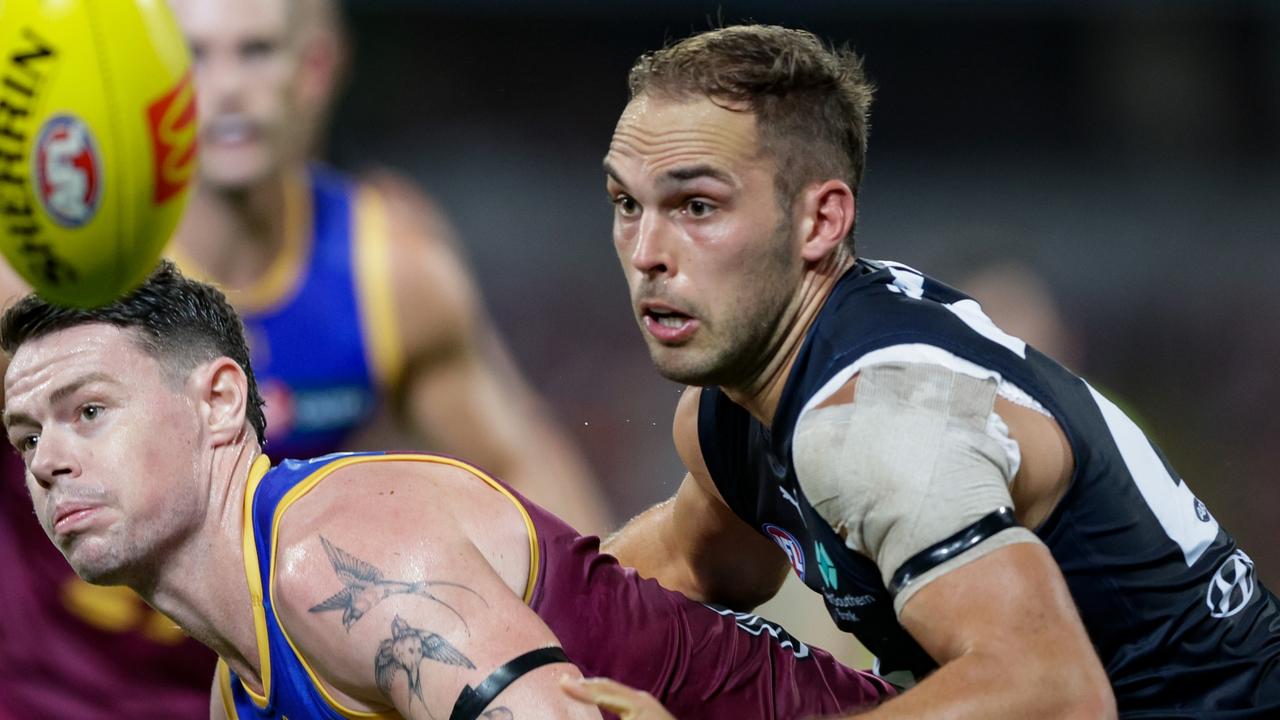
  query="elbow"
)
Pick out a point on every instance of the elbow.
point(1085, 694)
point(1064, 689)
point(1096, 702)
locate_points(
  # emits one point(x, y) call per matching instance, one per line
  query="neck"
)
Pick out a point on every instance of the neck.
point(760, 393)
point(234, 235)
point(201, 585)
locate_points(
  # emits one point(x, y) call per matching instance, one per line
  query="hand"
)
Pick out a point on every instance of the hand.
point(627, 703)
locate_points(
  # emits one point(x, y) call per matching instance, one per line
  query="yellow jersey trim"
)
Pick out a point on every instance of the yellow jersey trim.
point(375, 291)
point(283, 278)
point(224, 691)
point(260, 466)
point(308, 483)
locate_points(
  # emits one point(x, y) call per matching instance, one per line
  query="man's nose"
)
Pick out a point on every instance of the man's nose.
point(53, 460)
point(219, 83)
point(651, 254)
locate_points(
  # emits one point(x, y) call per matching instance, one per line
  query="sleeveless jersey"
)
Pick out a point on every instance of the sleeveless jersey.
point(1173, 607)
point(699, 661)
point(320, 323)
point(69, 649)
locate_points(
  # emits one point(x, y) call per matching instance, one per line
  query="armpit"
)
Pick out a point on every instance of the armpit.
point(913, 473)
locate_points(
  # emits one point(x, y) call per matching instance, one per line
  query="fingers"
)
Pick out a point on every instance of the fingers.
point(625, 702)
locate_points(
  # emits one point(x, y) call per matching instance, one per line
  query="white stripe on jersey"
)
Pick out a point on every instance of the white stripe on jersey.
point(1169, 499)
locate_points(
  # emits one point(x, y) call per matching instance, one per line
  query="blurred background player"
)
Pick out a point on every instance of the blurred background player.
point(353, 293)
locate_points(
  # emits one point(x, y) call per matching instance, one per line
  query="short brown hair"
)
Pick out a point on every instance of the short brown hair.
point(179, 321)
point(811, 101)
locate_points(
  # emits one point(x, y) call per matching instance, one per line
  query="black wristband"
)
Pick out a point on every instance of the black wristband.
point(472, 701)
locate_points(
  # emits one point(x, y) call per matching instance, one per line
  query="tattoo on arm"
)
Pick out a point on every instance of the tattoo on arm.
point(364, 586)
point(498, 713)
point(405, 650)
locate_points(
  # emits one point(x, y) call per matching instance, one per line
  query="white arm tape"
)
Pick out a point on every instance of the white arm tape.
point(911, 462)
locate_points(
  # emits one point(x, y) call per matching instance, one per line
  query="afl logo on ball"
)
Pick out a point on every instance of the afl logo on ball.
point(68, 171)
point(789, 545)
point(1232, 586)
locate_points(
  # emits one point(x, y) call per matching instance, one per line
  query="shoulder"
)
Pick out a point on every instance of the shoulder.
point(348, 543)
point(424, 265)
point(684, 431)
point(352, 525)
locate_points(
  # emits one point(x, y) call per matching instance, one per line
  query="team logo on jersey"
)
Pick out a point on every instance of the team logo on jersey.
point(1232, 586)
point(791, 499)
point(828, 569)
point(1202, 512)
point(68, 171)
point(789, 545)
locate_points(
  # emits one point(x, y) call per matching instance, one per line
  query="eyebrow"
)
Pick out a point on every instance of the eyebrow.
point(681, 174)
point(608, 170)
point(59, 395)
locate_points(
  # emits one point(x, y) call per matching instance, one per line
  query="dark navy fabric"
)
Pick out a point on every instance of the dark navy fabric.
point(1173, 607)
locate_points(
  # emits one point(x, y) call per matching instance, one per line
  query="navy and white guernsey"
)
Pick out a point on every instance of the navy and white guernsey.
point(1173, 607)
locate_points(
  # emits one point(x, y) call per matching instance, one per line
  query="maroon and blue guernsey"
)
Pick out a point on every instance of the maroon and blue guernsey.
point(698, 661)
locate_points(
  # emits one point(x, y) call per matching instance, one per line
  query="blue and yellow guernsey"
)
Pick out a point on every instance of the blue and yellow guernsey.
point(320, 321)
point(698, 661)
point(291, 688)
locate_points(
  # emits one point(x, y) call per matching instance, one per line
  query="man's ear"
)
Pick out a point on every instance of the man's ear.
point(827, 214)
point(223, 394)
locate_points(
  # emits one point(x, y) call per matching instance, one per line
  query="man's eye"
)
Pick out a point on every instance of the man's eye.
point(26, 443)
point(627, 206)
point(90, 412)
point(698, 208)
point(257, 50)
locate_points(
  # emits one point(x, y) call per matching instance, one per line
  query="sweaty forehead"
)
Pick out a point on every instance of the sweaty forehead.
point(655, 134)
point(98, 344)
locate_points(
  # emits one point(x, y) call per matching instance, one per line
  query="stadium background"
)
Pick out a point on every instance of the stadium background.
point(1125, 153)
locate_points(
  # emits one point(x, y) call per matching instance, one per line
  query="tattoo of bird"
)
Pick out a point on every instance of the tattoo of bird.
point(405, 650)
point(364, 587)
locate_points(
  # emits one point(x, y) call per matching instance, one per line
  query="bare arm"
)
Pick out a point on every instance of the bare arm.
point(459, 388)
point(693, 543)
point(1009, 642)
point(395, 608)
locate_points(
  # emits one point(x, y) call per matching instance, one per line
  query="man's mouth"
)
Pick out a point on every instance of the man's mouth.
point(230, 131)
point(668, 318)
point(668, 325)
point(73, 516)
